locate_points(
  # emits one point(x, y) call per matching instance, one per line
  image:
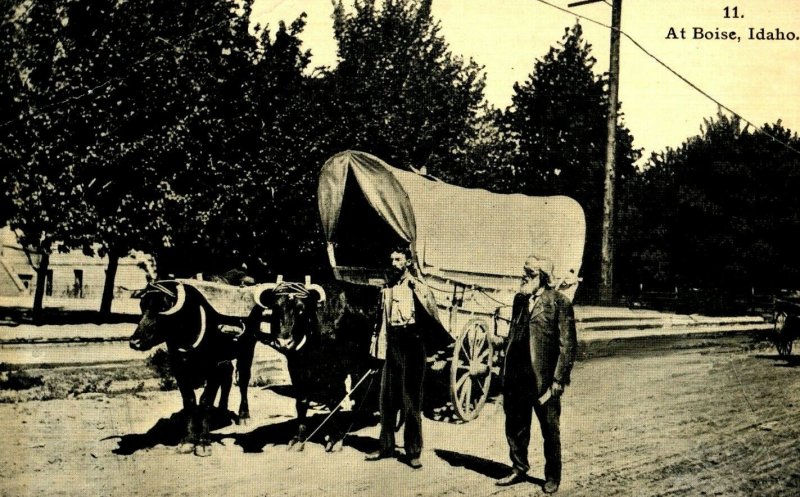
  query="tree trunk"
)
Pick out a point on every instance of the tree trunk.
point(41, 283)
point(108, 287)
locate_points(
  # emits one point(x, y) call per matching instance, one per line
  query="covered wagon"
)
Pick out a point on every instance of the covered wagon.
point(468, 244)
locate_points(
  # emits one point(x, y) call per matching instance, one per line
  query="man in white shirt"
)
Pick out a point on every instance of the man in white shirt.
point(407, 305)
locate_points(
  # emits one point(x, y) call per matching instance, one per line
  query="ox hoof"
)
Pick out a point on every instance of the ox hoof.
point(296, 445)
point(334, 446)
point(185, 448)
point(202, 450)
point(243, 420)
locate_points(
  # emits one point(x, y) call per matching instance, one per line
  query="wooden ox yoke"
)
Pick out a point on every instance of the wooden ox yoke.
point(234, 304)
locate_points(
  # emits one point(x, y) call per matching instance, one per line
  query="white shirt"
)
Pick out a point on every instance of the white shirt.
point(402, 306)
point(532, 300)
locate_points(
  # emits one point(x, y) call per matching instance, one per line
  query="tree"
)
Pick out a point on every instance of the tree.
point(42, 181)
point(490, 155)
point(184, 128)
point(398, 91)
point(719, 211)
point(292, 138)
point(101, 47)
point(10, 88)
point(137, 121)
point(257, 205)
point(558, 120)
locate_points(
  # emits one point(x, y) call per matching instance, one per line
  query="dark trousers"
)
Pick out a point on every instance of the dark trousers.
point(401, 388)
point(519, 401)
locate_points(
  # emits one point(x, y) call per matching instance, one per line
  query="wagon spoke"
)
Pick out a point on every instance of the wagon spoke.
point(461, 381)
point(472, 335)
point(481, 340)
point(464, 394)
point(480, 385)
point(466, 347)
point(476, 342)
point(464, 356)
point(476, 352)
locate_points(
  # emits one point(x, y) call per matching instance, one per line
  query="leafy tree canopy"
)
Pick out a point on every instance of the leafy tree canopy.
point(399, 91)
point(719, 211)
point(558, 120)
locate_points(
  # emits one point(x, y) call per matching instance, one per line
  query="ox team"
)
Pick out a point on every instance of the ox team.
point(539, 358)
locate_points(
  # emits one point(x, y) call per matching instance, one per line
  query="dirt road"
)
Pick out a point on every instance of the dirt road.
point(712, 421)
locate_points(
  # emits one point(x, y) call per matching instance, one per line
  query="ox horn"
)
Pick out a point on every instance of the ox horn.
point(315, 288)
point(259, 292)
point(179, 301)
point(200, 335)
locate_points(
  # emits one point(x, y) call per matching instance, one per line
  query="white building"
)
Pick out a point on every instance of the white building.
point(73, 274)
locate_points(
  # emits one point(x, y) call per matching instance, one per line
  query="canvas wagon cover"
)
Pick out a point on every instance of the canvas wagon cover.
point(462, 233)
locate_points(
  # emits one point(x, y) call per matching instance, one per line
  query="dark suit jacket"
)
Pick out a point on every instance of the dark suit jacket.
point(553, 340)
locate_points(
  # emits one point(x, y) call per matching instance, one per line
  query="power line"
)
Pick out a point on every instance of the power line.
point(674, 72)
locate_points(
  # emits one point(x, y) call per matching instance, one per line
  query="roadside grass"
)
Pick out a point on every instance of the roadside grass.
point(48, 382)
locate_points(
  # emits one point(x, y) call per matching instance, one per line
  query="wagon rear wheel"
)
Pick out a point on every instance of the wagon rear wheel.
point(471, 369)
point(783, 343)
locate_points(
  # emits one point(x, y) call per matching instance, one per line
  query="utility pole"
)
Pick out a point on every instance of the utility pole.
point(607, 243)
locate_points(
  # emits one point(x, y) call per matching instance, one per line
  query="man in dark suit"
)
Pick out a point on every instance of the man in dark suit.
point(541, 351)
point(409, 323)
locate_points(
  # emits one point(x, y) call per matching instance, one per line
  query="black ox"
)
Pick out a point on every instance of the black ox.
point(325, 339)
point(201, 351)
point(320, 353)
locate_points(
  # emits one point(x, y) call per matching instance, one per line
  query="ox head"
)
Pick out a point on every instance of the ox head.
point(161, 302)
point(293, 314)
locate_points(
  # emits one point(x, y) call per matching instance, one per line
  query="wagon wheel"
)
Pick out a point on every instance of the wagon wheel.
point(471, 369)
point(783, 343)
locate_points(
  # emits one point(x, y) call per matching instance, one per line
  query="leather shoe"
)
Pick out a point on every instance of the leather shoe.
point(550, 487)
point(377, 456)
point(415, 463)
point(514, 478)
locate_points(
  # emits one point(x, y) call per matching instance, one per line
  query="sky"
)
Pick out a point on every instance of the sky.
point(758, 79)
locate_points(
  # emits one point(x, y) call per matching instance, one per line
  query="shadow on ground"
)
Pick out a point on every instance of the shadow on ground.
point(172, 430)
point(335, 429)
point(168, 431)
point(485, 467)
point(780, 362)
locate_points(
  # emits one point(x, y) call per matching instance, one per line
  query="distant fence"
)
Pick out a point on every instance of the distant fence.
point(712, 302)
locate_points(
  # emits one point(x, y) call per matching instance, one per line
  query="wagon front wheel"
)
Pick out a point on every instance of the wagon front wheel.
point(782, 342)
point(471, 369)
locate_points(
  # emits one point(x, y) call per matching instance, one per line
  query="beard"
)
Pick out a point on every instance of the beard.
point(394, 275)
point(529, 286)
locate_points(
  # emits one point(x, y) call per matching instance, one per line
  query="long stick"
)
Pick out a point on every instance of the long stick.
point(341, 402)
